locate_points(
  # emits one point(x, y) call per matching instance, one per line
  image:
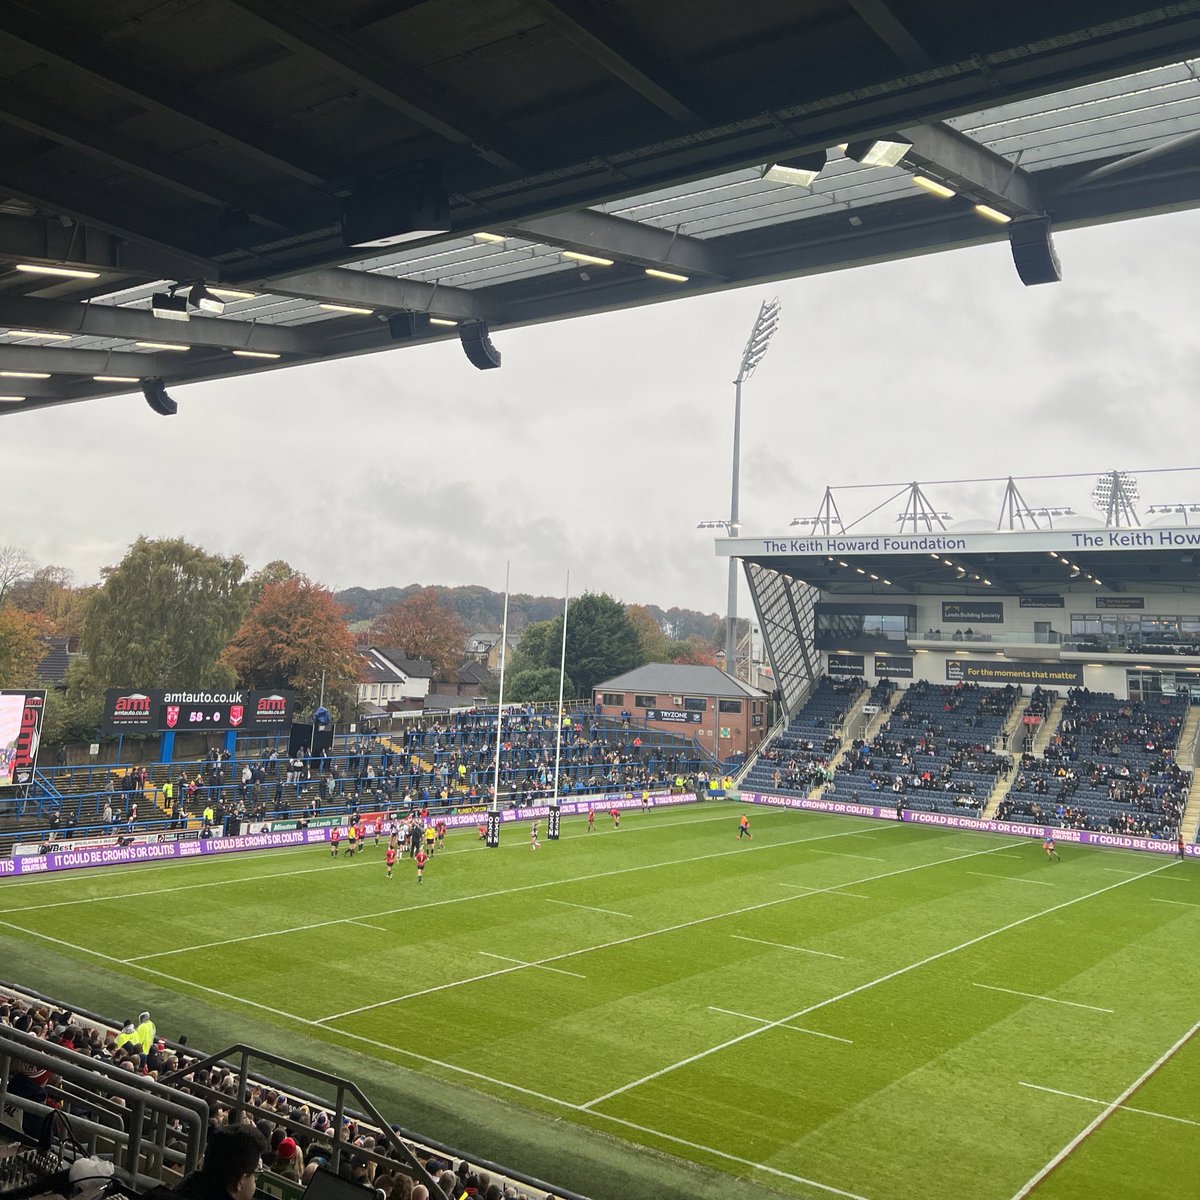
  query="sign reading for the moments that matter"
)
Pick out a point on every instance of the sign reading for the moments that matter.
point(983, 670)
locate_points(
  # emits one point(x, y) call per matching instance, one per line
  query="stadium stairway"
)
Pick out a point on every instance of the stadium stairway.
point(1189, 823)
point(1001, 790)
point(1049, 726)
point(872, 727)
point(1010, 734)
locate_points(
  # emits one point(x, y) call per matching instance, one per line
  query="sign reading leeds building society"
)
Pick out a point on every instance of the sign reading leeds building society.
point(159, 711)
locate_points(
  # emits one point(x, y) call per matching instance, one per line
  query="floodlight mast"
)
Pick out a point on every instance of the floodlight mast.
point(765, 325)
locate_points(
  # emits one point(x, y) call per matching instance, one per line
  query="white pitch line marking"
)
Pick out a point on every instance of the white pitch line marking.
point(529, 887)
point(366, 926)
point(1035, 996)
point(1145, 1112)
point(522, 963)
point(794, 1028)
point(637, 937)
point(862, 987)
point(844, 854)
point(1115, 871)
point(1011, 878)
point(1000, 854)
point(1183, 903)
point(834, 890)
point(612, 912)
point(453, 1068)
point(1109, 1109)
point(784, 946)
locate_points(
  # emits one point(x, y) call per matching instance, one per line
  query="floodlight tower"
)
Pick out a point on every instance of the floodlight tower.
point(765, 325)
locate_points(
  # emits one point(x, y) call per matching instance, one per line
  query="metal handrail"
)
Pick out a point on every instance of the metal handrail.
point(149, 1106)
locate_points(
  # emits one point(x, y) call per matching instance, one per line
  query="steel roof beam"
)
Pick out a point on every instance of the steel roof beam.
point(150, 88)
point(25, 239)
point(592, 232)
point(139, 324)
point(890, 30)
point(603, 41)
point(357, 61)
point(53, 194)
point(17, 356)
point(953, 158)
point(341, 285)
point(44, 119)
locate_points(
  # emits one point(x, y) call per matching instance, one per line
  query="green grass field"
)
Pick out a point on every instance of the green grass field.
point(839, 1007)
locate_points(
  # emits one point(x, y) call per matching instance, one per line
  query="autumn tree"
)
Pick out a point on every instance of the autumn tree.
point(694, 651)
point(15, 565)
point(21, 648)
point(162, 617)
point(652, 641)
point(423, 626)
point(276, 571)
point(47, 594)
point(295, 632)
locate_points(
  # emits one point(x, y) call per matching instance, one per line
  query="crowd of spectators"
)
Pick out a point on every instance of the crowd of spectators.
point(298, 1134)
point(1110, 766)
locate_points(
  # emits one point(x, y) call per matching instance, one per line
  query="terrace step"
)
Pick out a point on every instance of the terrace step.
point(1008, 734)
point(1049, 727)
point(872, 727)
point(1189, 823)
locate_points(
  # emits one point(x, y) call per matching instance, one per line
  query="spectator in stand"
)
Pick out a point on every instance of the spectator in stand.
point(232, 1162)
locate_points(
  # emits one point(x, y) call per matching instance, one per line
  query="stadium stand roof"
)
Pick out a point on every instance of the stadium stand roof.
point(150, 148)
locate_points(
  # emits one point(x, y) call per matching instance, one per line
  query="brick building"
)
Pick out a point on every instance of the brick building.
point(723, 714)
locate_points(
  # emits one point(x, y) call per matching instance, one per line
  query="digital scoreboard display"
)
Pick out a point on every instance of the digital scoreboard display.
point(160, 711)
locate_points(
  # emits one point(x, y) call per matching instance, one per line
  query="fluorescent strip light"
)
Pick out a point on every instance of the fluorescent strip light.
point(347, 308)
point(443, 321)
point(933, 187)
point(161, 346)
point(53, 337)
point(115, 378)
point(495, 238)
point(25, 374)
point(655, 273)
point(11, 399)
point(593, 260)
point(992, 214)
point(257, 354)
point(65, 272)
point(230, 294)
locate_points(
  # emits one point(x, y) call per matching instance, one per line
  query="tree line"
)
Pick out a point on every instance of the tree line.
point(171, 615)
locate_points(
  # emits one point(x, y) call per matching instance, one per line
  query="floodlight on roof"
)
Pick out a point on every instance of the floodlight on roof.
point(884, 151)
point(166, 306)
point(200, 297)
point(800, 170)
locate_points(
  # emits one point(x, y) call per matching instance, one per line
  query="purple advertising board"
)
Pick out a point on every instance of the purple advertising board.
point(146, 852)
point(1082, 837)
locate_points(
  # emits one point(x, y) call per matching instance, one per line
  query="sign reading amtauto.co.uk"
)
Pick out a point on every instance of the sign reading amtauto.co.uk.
point(159, 711)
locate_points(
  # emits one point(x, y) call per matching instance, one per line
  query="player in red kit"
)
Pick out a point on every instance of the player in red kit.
point(390, 858)
point(591, 819)
point(335, 838)
point(615, 813)
point(422, 859)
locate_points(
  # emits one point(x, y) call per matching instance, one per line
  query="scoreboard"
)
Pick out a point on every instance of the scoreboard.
point(157, 710)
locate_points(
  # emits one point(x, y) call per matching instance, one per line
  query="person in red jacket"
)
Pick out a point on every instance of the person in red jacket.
point(422, 859)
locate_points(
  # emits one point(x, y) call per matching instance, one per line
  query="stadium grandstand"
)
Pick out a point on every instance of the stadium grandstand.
point(1047, 670)
point(193, 192)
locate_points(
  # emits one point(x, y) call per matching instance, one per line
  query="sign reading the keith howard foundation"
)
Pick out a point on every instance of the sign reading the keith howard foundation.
point(977, 612)
point(156, 710)
point(983, 670)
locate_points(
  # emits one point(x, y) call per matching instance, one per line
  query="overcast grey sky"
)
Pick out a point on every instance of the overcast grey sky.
point(602, 441)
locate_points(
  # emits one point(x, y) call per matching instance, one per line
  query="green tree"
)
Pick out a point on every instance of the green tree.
point(652, 642)
point(536, 685)
point(162, 617)
point(276, 571)
point(74, 715)
point(601, 642)
point(294, 633)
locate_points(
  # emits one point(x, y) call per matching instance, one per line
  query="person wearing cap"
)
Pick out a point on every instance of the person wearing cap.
point(289, 1160)
point(232, 1162)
